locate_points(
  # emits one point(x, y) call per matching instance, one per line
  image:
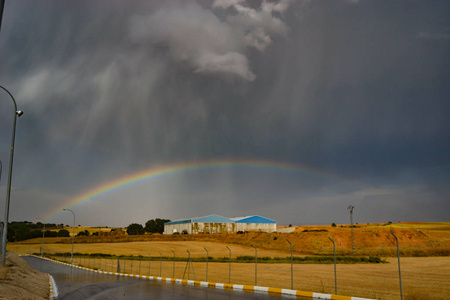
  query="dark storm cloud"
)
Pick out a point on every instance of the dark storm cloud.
point(355, 88)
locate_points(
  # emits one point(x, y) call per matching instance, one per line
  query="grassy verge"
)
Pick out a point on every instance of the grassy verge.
point(238, 259)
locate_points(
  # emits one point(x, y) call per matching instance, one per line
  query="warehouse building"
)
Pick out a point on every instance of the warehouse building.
point(219, 224)
point(254, 223)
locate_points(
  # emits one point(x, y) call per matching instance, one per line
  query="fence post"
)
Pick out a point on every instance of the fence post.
point(173, 276)
point(229, 268)
point(207, 254)
point(292, 266)
point(149, 263)
point(160, 263)
point(335, 279)
point(188, 266)
point(139, 266)
point(256, 264)
point(399, 270)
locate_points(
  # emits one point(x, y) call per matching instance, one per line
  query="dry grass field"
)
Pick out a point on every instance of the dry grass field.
point(425, 271)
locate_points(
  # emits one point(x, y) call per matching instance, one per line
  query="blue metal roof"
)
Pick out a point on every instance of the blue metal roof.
point(220, 219)
point(212, 219)
point(253, 219)
point(178, 222)
point(206, 219)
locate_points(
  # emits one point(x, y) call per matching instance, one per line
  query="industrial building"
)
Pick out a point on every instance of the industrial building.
point(219, 224)
point(254, 223)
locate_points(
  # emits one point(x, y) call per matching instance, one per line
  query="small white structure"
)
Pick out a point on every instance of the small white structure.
point(219, 224)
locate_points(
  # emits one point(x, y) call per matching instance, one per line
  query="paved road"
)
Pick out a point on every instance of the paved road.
point(79, 284)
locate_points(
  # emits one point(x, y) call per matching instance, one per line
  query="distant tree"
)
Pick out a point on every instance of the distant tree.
point(21, 232)
point(135, 229)
point(156, 225)
point(83, 233)
point(49, 233)
point(35, 234)
point(63, 233)
point(333, 225)
point(95, 233)
point(290, 225)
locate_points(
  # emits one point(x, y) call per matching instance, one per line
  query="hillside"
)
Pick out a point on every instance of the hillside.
point(415, 239)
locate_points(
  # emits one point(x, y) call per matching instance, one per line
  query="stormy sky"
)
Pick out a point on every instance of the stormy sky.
point(355, 95)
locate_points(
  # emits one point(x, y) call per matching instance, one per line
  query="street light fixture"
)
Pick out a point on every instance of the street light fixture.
point(43, 236)
point(8, 190)
point(73, 232)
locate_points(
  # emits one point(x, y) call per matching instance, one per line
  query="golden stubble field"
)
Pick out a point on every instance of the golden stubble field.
point(422, 277)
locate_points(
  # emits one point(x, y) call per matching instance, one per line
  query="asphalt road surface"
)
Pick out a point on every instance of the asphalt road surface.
point(76, 284)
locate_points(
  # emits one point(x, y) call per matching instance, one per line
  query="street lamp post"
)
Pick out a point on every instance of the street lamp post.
point(73, 232)
point(8, 190)
point(43, 236)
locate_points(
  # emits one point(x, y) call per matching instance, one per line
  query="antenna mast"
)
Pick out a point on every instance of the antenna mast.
point(350, 208)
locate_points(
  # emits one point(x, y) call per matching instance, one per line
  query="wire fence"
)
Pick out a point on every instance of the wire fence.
point(368, 277)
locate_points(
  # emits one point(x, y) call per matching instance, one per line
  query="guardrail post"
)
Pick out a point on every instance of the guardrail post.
point(229, 268)
point(335, 278)
point(292, 266)
point(399, 270)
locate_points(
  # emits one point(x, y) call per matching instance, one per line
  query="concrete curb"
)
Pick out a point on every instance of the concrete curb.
point(235, 287)
point(50, 295)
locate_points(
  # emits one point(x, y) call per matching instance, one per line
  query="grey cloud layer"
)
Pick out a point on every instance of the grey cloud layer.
point(355, 88)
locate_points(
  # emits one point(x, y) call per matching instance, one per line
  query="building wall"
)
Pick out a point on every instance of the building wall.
point(172, 228)
point(263, 227)
point(195, 228)
point(213, 228)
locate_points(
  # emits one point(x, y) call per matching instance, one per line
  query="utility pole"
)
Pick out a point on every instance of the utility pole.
point(350, 208)
point(2, 6)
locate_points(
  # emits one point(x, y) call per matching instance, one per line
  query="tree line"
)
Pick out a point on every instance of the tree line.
point(151, 226)
point(24, 230)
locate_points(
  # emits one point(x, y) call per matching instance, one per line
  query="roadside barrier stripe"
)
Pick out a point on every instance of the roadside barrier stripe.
point(237, 287)
point(275, 290)
point(50, 294)
point(321, 296)
point(288, 292)
point(305, 294)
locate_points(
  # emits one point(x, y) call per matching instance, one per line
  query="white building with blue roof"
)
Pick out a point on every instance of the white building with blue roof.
point(254, 223)
point(219, 224)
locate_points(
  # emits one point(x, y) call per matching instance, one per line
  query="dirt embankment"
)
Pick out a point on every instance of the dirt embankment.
point(18, 280)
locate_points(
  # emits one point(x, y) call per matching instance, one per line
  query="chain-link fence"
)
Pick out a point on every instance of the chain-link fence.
point(360, 276)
